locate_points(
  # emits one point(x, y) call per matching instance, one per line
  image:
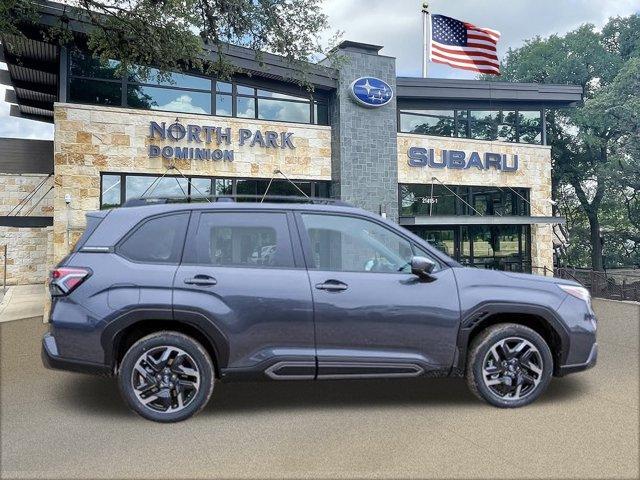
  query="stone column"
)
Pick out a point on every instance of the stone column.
point(364, 140)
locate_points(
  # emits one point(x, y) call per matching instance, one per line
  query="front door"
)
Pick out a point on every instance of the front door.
point(243, 274)
point(373, 317)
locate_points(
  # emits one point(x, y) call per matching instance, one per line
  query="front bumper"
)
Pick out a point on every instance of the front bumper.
point(579, 367)
point(51, 359)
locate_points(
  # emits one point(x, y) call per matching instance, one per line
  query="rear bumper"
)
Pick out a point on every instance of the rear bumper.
point(579, 367)
point(52, 360)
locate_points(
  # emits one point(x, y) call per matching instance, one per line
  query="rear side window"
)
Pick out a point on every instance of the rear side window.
point(243, 239)
point(157, 240)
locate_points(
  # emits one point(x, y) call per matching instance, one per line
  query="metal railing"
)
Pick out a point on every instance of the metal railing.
point(612, 284)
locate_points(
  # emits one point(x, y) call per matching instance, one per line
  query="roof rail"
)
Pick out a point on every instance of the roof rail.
point(157, 200)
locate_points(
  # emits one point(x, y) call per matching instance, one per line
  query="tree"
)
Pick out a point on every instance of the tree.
point(594, 145)
point(172, 35)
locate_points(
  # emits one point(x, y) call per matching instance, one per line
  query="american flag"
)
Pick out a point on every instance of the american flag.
point(463, 45)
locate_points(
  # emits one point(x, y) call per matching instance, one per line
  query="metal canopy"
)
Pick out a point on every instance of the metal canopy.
point(469, 92)
point(480, 220)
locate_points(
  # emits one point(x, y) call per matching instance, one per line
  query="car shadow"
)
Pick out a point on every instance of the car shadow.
point(100, 395)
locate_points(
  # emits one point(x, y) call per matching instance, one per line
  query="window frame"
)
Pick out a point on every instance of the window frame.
point(189, 256)
point(125, 82)
point(140, 224)
point(416, 247)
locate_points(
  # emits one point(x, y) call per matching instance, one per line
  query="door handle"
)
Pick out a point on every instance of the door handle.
point(332, 286)
point(201, 280)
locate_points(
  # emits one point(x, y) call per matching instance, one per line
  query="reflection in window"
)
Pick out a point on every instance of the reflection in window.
point(428, 122)
point(244, 239)
point(283, 110)
point(156, 98)
point(83, 64)
point(223, 186)
point(321, 113)
point(224, 105)
point(200, 187)
point(530, 128)
point(245, 107)
point(180, 80)
point(355, 245)
point(95, 92)
point(110, 191)
point(148, 186)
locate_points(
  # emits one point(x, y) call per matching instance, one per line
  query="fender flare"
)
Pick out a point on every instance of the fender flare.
point(190, 317)
point(483, 311)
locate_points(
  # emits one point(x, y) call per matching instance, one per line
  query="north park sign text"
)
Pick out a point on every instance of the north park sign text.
point(207, 134)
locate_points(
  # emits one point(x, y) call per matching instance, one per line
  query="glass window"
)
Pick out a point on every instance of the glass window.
point(152, 75)
point(223, 105)
point(244, 239)
point(529, 127)
point(156, 98)
point(246, 187)
point(462, 119)
point(443, 240)
point(242, 90)
point(83, 64)
point(267, 93)
point(224, 87)
point(138, 186)
point(245, 107)
point(506, 124)
point(484, 125)
point(223, 186)
point(110, 191)
point(428, 122)
point(285, 188)
point(323, 189)
point(158, 240)
point(95, 92)
point(200, 187)
point(418, 200)
point(283, 111)
point(340, 243)
point(321, 113)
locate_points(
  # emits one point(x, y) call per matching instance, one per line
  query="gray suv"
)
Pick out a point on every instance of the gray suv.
point(173, 297)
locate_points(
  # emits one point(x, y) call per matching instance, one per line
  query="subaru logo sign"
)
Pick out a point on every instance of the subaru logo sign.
point(371, 92)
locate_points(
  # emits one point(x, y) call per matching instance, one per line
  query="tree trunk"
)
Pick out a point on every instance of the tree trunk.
point(596, 247)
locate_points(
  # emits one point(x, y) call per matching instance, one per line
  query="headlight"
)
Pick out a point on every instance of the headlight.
point(578, 292)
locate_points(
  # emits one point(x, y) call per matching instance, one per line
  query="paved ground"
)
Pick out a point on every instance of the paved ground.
point(22, 301)
point(63, 425)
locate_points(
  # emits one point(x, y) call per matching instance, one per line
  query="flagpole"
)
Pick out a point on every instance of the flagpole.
point(426, 37)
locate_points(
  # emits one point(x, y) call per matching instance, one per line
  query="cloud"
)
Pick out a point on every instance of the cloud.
point(397, 25)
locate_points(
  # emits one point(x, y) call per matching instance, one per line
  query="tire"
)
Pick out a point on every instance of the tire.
point(524, 377)
point(177, 381)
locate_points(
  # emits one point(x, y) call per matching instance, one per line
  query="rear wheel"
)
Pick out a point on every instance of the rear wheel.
point(509, 365)
point(166, 377)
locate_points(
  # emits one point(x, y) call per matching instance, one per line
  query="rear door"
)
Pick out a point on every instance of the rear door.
point(243, 274)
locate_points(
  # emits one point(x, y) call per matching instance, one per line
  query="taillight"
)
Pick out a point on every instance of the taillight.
point(66, 279)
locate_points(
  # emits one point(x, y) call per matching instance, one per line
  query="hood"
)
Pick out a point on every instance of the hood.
point(498, 277)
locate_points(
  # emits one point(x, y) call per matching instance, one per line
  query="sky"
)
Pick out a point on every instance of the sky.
point(397, 25)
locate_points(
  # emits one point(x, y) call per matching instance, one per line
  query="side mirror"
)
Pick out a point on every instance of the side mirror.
point(422, 267)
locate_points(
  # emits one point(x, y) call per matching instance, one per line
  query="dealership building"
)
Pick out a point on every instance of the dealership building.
point(462, 163)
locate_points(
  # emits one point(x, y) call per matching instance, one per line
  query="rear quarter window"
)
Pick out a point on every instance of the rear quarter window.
point(156, 240)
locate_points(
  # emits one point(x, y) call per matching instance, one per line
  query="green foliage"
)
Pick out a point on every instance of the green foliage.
point(172, 35)
point(596, 146)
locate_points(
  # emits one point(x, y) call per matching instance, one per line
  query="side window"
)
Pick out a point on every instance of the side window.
point(350, 244)
point(243, 239)
point(158, 240)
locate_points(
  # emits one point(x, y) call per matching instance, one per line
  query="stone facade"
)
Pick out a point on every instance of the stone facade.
point(534, 173)
point(89, 140)
point(364, 139)
point(27, 248)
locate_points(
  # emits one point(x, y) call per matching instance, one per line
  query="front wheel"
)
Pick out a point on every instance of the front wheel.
point(166, 377)
point(509, 365)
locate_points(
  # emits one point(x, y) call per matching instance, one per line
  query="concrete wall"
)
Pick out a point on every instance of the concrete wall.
point(534, 173)
point(27, 248)
point(92, 139)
